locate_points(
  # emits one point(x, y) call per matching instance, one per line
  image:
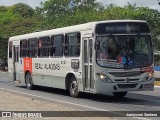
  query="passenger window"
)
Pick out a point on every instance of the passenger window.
point(56, 45)
point(23, 48)
point(32, 47)
point(72, 44)
point(43, 46)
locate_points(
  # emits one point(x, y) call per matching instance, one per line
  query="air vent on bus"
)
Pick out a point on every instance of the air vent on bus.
point(125, 86)
point(124, 80)
point(119, 80)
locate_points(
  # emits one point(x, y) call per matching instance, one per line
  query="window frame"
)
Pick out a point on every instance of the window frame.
point(78, 34)
point(31, 48)
point(21, 48)
point(62, 45)
point(47, 46)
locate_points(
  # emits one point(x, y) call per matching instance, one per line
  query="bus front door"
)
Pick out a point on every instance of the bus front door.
point(16, 63)
point(88, 64)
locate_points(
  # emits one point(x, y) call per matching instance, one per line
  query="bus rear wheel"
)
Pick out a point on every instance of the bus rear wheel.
point(29, 81)
point(73, 87)
point(119, 94)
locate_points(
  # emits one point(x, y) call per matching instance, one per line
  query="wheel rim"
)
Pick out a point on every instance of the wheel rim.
point(74, 87)
point(28, 81)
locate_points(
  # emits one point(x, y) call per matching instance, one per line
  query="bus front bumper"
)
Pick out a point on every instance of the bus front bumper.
point(105, 88)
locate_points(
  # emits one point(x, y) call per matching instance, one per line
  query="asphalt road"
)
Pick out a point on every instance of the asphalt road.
point(134, 101)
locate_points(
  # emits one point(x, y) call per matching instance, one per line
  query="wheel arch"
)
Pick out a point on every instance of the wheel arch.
point(67, 79)
point(27, 71)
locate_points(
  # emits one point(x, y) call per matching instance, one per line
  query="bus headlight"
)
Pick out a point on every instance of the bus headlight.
point(103, 77)
point(150, 74)
point(148, 77)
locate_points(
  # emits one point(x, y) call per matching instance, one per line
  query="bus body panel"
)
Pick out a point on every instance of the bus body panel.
point(51, 72)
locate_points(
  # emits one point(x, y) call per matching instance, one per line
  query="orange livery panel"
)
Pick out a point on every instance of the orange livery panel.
point(28, 64)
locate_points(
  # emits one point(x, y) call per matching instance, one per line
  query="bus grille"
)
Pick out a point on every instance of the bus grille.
point(124, 80)
point(126, 74)
point(123, 86)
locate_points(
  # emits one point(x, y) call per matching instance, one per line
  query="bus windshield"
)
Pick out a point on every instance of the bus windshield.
point(124, 51)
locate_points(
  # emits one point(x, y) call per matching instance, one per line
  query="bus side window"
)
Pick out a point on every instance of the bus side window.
point(32, 47)
point(43, 46)
point(56, 48)
point(72, 44)
point(23, 48)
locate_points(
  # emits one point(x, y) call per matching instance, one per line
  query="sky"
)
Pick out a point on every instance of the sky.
point(147, 3)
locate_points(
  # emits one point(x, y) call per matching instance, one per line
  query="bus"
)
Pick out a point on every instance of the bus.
point(101, 57)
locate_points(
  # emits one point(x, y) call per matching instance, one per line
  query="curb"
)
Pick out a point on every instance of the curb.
point(157, 86)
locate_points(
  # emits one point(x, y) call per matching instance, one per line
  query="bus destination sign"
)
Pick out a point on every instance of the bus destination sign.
point(122, 28)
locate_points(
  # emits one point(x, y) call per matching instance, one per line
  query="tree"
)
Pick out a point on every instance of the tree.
point(56, 8)
point(15, 20)
point(60, 13)
point(23, 9)
point(3, 9)
point(3, 48)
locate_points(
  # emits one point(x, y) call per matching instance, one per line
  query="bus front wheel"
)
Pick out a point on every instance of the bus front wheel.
point(119, 94)
point(73, 87)
point(29, 82)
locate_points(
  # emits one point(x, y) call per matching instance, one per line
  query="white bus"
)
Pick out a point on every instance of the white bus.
point(113, 56)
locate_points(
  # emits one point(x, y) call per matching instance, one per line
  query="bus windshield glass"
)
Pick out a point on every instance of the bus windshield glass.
point(124, 51)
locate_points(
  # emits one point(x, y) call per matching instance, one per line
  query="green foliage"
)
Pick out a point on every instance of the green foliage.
point(3, 9)
point(3, 48)
point(71, 13)
point(22, 9)
point(15, 20)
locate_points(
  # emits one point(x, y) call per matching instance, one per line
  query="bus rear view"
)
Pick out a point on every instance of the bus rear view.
point(124, 57)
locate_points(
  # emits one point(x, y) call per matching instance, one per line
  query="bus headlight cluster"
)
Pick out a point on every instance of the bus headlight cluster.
point(103, 77)
point(148, 77)
point(150, 74)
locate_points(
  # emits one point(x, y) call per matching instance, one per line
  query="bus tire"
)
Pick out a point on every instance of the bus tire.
point(73, 87)
point(119, 94)
point(29, 81)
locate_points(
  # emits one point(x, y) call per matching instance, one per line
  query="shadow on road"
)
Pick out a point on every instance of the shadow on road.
point(130, 99)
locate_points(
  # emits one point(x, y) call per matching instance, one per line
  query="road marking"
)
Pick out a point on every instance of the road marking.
point(61, 101)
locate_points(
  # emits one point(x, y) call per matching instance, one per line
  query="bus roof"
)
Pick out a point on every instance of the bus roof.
point(68, 29)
